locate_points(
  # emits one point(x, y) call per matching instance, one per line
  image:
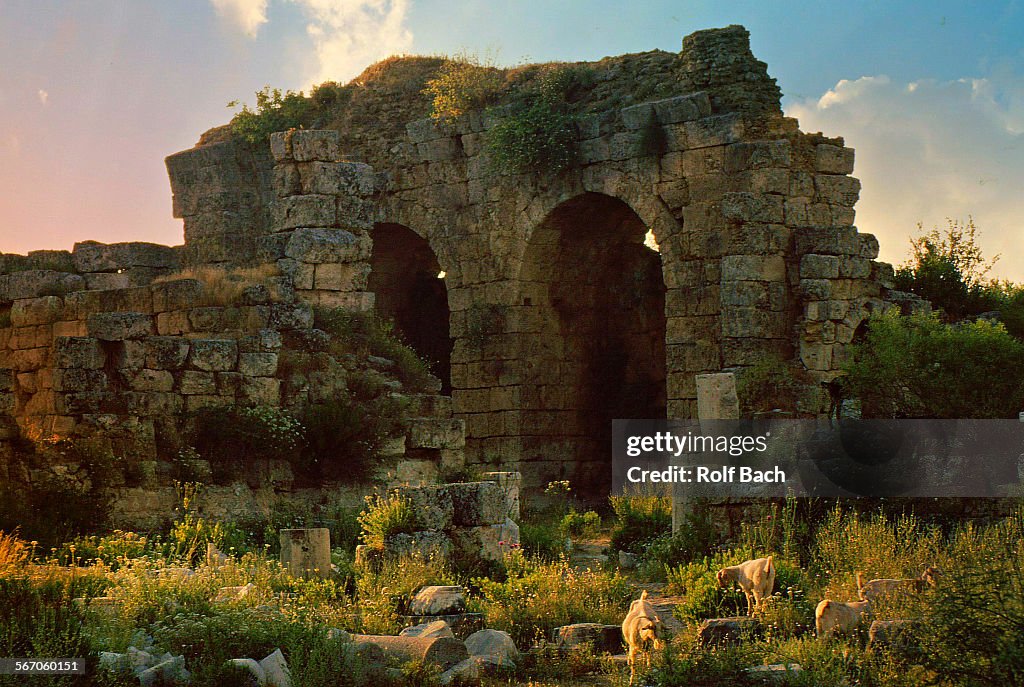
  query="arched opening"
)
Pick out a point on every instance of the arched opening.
point(594, 296)
point(409, 288)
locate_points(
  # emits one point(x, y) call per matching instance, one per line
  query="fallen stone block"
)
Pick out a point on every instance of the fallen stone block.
point(718, 631)
point(440, 651)
point(472, 670)
point(255, 670)
point(494, 644)
point(477, 503)
point(431, 506)
point(436, 628)
point(461, 624)
point(306, 552)
point(438, 600)
point(601, 638)
point(275, 668)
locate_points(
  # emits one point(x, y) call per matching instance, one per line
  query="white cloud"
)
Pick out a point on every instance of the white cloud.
point(249, 15)
point(44, 97)
point(349, 35)
point(928, 150)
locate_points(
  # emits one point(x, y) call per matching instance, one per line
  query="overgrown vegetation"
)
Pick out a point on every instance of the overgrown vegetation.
point(228, 287)
point(464, 83)
point(919, 367)
point(275, 111)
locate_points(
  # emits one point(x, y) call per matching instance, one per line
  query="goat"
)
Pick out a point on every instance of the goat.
point(641, 626)
point(832, 617)
point(756, 578)
point(875, 589)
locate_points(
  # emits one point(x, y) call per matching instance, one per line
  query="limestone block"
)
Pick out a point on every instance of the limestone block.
point(286, 179)
point(207, 319)
point(287, 316)
point(195, 383)
point(91, 256)
point(757, 155)
point(753, 268)
point(486, 542)
point(753, 207)
point(601, 638)
point(67, 328)
point(104, 281)
point(263, 341)
point(426, 545)
point(306, 552)
point(276, 669)
point(883, 273)
point(257, 364)
point(281, 146)
point(868, 246)
point(341, 277)
point(819, 267)
point(165, 352)
point(152, 403)
point(682, 108)
point(718, 631)
point(179, 294)
point(714, 131)
point(73, 379)
point(854, 268)
point(816, 356)
point(816, 289)
point(200, 401)
point(440, 651)
point(34, 311)
point(436, 434)
point(308, 145)
point(477, 503)
point(716, 396)
point(119, 326)
point(355, 301)
point(213, 355)
point(837, 190)
point(438, 600)
point(509, 483)
point(261, 390)
point(494, 643)
point(229, 383)
point(303, 211)
point(35, 283)
point(431, 505)
point(437, 628)
point(327, 245)
point(832, 159)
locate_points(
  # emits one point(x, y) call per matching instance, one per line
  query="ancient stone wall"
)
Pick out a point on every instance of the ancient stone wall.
point(572, 298)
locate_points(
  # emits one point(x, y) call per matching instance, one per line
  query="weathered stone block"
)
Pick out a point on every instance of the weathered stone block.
point(315, 145)
point(757, 155)
point(819, 267)
point(427, 544)
point(262, 364)
point(287, 316)
point(306, 552)
point(718, 631)
point(194, 383)
point(73, 379)
point(165, 352)
point(91, 256)
point(213, 355)
point(868, 246)
point(477, 503)
point(303, 211)
point(600, 638)
point(341, 277)
point(119, 326)
point(753, 268)
point(438, 600)
point(265, 340)
point(179, 294)
point(753, 207)
point(832, 159)
point(431, 505)
point(716, 397)
point(173, 323)
point(682, 108)
point(151, 380)
point(436, 434)
point(264, 391)
point(35, 283)
point(33, 311)
point(837, 190)
point(327, 245)
point(854, 268)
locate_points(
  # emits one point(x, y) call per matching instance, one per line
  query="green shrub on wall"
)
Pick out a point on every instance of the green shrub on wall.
point(463, 84)
point(275, 111)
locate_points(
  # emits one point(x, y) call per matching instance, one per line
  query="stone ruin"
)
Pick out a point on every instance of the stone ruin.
point(553, 315)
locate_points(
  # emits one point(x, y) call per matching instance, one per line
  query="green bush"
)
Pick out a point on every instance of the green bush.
point(384, 591)
point(576, 524)
point(231, 438)
point(771, 384)
point(639, 520)
point(541, 539)
point(343, 436)
point(538, 596)
point(463, 84)
point(384, 517)
point(696, 538)
point(918, 367)
point(275, 111)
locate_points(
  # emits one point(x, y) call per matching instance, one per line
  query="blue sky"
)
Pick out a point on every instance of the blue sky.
point(94, 94)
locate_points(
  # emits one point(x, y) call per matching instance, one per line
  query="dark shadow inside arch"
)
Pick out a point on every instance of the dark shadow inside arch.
point(596, 298)
point(404, 278)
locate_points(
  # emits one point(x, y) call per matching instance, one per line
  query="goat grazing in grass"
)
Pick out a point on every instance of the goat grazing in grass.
point(642, 626)
point(875, 589)
point(832, 617)
point(755, 578)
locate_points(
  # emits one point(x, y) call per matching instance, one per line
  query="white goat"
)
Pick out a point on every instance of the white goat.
point(875, 589)
point(755, 578)
point(642, 626)
point(832, 617)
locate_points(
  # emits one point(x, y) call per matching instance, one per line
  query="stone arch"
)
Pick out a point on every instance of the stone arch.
point(590, 319)
point(405, 278)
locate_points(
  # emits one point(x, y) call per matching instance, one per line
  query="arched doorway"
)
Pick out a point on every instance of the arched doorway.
point(596, 297)
point(409, 288)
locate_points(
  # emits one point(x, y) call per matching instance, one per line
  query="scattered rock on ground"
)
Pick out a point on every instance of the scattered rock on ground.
point(438, 600)
point(602, 638)
point(716, 631)
point(437, 628)
point(493, 643)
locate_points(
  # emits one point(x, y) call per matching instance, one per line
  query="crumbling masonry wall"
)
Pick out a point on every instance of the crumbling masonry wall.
point(548, 282)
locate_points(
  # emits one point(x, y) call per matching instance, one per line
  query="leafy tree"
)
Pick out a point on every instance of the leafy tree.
point(949, 270)
point(920, 367)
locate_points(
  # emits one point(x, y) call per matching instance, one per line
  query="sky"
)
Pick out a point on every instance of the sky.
point(94, 94)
